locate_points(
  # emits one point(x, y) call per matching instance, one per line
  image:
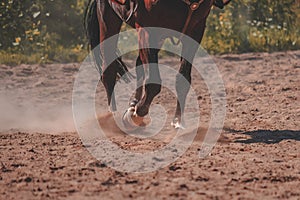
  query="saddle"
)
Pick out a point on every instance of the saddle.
point(126, 8)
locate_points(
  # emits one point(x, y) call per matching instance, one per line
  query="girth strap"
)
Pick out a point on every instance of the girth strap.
point(193, 6)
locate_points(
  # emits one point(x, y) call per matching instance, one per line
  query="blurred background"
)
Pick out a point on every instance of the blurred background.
point(51, 31)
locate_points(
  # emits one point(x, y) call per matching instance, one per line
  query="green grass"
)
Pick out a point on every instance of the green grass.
point(58, 55)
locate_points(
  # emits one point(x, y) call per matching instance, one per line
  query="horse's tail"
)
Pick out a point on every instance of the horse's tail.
point(92, 29)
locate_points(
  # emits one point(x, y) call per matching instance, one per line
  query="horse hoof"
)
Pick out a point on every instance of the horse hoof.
point(177, 124)
point(131, 121)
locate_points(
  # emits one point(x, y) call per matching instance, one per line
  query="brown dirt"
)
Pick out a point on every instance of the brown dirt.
point(257, 157)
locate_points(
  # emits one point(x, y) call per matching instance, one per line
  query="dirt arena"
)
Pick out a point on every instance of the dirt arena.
point(257, 156)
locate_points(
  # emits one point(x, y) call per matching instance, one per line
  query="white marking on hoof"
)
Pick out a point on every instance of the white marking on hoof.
point(128, 123)
point(131, 121)
point(176, 124)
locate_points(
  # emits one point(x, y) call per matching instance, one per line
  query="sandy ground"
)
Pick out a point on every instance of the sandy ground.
point(257, 156)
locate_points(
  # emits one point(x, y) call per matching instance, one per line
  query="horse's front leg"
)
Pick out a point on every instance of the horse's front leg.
point(149, 58)
point(139, 107)
point(183, 82)
point(183, 78)
point(140, 77)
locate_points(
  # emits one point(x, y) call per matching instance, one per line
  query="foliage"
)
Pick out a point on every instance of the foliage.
point(256, 25)
point(42, 27)
point(52, 30)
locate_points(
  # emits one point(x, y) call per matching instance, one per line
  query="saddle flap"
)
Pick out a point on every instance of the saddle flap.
point(124, 11)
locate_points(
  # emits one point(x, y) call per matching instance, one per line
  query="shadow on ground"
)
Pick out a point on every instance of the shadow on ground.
point(269, 136)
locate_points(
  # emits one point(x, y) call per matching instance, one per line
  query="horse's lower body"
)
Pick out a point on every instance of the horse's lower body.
point(148, 84)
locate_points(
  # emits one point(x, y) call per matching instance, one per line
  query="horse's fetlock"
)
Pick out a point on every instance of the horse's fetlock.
point(153, 88)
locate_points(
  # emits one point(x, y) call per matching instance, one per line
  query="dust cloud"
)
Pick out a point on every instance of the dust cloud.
point(34, 117)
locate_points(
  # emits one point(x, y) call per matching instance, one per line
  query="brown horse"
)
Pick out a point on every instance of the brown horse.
point(187, 17)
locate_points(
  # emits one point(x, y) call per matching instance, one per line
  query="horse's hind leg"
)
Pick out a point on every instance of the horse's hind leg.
point(110, 24)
